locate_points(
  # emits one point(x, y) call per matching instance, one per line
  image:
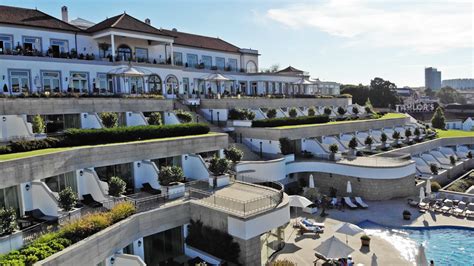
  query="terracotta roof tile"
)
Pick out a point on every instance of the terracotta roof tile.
point(126, 22)
point(199, 41)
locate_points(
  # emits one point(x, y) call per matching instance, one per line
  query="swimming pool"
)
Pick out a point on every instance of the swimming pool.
point(446, 245)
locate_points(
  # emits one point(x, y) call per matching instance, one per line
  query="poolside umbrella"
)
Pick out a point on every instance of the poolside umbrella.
point(428, 187)
point(348, 229)
point(422, 194)
point(421, 256)
point(333, 248)
point(349, 187)
point(299, 201)
point(311, 181)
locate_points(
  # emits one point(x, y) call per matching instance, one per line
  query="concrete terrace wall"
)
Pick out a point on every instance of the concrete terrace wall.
point(300, 132)
point(33, 106)
point(429, 145)
point(98, 247)
point(272, 102)
point(13, 172)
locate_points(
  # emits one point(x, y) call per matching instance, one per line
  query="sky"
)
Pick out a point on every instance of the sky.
point(348, 41)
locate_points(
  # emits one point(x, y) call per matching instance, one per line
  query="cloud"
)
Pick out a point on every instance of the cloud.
point(423, 26)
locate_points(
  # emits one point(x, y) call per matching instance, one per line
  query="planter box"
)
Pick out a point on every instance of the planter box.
point(74, 214)
point(222, 180)
point(242, 123)
point(174, 191)
point(365, 243)
point(14, 241)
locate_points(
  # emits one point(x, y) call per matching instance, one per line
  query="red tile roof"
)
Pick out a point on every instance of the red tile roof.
point(32, 18)
point(199, 41)
point(126, 22)
point(290, 69)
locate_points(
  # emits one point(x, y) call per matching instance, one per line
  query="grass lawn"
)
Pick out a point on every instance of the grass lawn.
point(386, 116)
point(454, 133)
point(19, 155)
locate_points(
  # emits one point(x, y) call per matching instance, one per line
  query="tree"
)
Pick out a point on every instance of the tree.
point(116, 186)
point(154, 119)
point(38, 124)
point(273, 68)
point(285, 146)
point(219, 166)
point(417, 133)
point(396, 136)
point(408, 133)
point(383, 93)
point(434, 169)
point(311, 111)
point(353, 143)
point(292, 112)
point(109, 120)
point(438, 120)
point(368, 106)
point(429, 92)
point(67, 199)
point(271, 113)
point(359, 93)
point(170, 174)
point(341, 111)
point(234, 154)
point(449, 95)
point(355, 110)
point(7, 220)
point(327, 111)
point(383, 137)
point(369, 141)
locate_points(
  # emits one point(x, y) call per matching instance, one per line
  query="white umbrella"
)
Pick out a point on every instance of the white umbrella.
point(299, 201)
point(349, 187)
point(333, 248)
point(422, 194)
point(311, 181)
point(348, 229)
point(421, 256)
point(428, 187)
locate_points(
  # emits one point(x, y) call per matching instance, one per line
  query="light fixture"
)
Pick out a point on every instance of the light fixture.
point(4, 118)
point(112, 260)
point(65, 78)
point(185, 157)
point(85, 115)
point(81, 173)
point(27, 187)
point(139, 164)
point(139, 243)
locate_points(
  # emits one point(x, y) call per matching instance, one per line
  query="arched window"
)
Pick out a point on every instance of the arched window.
point(154, 84)
point(172, 85)
point(251, 67)
point(124, 52)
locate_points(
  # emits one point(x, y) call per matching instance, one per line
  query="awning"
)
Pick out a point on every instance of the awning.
point(130, 71)
point(303, 82)
point(216, 77)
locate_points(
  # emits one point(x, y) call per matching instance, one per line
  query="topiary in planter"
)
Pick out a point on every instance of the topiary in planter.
point(116, 186)
point(67, 199)
point(435, 186)
point(183, 116)
point(7, 221)
point(434, 169)
point(292, 112)
point(170, 174)
point(154, 119)
point(365, 239)
point(327, 111)
point(219, 166)
point(452, 160)
point(109, 120)
point(469, 155)
point(341, 111)
point(38, 124)
point(311, 111)
point(234, 154)
point(271, 113)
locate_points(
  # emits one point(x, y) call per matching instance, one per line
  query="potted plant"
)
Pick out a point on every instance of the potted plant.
point(8, 222)
point(406, 215)
point(383, 139)
point(434, 169)
point(171, 177)
point(116, 186)
point(369, 141)
point(67, 199)
point(233, 154)
point(333, 148)
point(219, 168)
point(353, 145)
point(365, 239)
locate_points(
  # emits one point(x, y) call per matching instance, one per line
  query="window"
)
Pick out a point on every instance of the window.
point(154, 84)
point(79, 82)
point(9, 198)
point(161, 247)
point(62, 181)
point(192, 60)
point(141, 54)
point(171, 85)
point(220, 63)
point(178, 58)
point(186, 86)
point(104, 83)
point(207, 61)
point(6, 44)
point(251, 67)
point(124, 171)
point(51, 81)
point(58, 47)
point(124, 53)
point(19, 81)
point(232, 64)
point(136, 85)
point(32, 44)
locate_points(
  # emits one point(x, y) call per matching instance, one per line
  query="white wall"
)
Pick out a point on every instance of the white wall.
point(146, 173)
point(43, 198)
point(135, 119)
point(268, 146)
point(223, 114)
point(170, 118)
point(89, 183)
point(90, 120)
point(273, 170)
point(14, 127)
point(194, 167)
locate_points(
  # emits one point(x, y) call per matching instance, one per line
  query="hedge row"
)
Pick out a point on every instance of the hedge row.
point(79, 137)
point(290, 121)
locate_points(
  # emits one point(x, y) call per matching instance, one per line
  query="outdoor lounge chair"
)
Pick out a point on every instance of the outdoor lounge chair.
point(149, 189)
point(361, 203)
point(424, 204)
point(448, 205)
point(459, 210)
point(90, 201)
point(470, 210)
point(349, 203)
point(38, 215)
point(307, 226)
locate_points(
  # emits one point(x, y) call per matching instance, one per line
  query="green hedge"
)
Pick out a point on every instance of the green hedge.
point(290, 121)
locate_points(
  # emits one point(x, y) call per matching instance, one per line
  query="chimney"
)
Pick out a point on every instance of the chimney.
point(64, 14)
point(148, 21)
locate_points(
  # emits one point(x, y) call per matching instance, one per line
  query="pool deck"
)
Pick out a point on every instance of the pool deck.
point(300, 249)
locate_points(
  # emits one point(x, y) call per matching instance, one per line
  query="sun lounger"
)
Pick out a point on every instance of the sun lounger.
point(307, 226)
point(333, 201)
point(38, 215)
point(448, 204)
point(470, 210)
point(424, 204)
point(146, 187)
point(349, 203)
point(361, 203)
point(459, 210)
point(90, 201)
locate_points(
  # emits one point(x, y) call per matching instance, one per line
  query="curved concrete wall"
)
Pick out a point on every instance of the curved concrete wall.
point(430, 145)
point(273, 170)
point(252, 103)
point(13, 172)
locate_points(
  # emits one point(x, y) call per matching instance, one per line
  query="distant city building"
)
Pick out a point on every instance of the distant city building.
point(459, 84)
point(432, 78)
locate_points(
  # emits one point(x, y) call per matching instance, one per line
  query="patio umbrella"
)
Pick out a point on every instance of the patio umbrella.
point(422, 194)
point(348, 229)
point(349, 187)
point(428, 187)
point(421, 256)
point(311, 181)
point(333, 248)
point(299, 201)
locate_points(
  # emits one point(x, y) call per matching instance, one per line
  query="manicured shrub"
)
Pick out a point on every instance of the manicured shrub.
point(30, 145)
point(5, 149)
point(67, 199)
point(170, 174)
point(353, 143)
point(327, 111)
point(285, 146)
point(292, 112)
point(383, 137)
point(452, 160)
point(289, 121)
point(341, 111)
point(7, 221)
point(183, 116)
point(121, 211)
point(86, 226)
point(38, 124)
point(109, 120)
point(469, 155)
point(241, 114)
point(369, 141)
point(219, 166)
point(438, 120)
point(271, 113)
point(333, 148)
point(154, 119)
point(311, 111)
point(434, 169)
point(355, 110)
point(116, 186)
point(234, 154)
point(435, 186)
point(417, 132)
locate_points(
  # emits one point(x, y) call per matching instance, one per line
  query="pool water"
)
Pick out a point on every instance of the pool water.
point(446, 245)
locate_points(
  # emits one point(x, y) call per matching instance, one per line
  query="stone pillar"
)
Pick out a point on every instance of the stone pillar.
point(112, 44)
point(172, 54)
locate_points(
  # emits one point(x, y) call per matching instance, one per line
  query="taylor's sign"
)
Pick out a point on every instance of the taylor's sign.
point(415, 107)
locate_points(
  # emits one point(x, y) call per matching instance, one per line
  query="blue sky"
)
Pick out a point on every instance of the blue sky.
point(349, 41)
